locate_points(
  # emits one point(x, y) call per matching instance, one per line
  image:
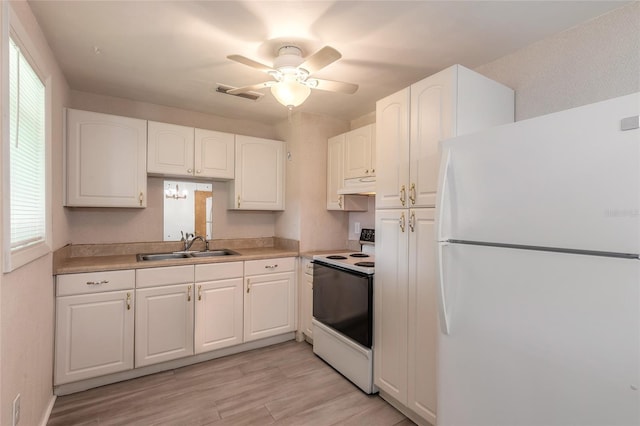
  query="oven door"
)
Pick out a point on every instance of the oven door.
point(343, 300)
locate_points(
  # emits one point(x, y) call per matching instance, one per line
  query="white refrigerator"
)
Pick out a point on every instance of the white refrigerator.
point(538, 271)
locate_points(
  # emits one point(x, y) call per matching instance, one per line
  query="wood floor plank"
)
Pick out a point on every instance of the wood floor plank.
point(284, 384)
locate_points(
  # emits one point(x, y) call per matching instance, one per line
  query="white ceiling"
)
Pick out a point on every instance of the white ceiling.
point(174, 53)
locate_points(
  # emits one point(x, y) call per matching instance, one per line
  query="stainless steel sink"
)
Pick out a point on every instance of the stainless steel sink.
point(222, 252)
point(184, 255)
point(161, 256)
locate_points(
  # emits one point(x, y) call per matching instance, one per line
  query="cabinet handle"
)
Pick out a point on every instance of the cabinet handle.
point(189, 294)
point(199, 292)
point(238, 201)
point(403, 195)
point(412, 194)
point(271, 266)
point(140, 198)
point(128, 301)
point(189, 171)
point(373, 171)
point(340, 201)
point(412, 221)
point(97, 282)
point(366, 172)
point(402, 222)
point(198, 171)
point(248, 285)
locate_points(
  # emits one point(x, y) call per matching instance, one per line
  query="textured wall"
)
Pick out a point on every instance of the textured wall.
point(306, 217)
point(27, 294)
point(594, 61)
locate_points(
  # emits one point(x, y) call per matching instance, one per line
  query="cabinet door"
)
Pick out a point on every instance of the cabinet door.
point(306, 299)
point(390, 303)
point(392, 147)
point(335, 172)
point(218, 320)
point(94, 335)
point(164, 323)
point(106, 160)
point(432, 120)
point(170, 149)
point(259, 180)
point(269, 305)
point(357, 153)
point(214, 154)
point(422, 311)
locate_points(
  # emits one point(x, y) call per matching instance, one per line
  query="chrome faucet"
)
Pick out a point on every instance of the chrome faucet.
point(190, 239)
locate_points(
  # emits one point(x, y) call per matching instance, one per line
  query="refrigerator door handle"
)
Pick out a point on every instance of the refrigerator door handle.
point(442, 298)
point(443, 188)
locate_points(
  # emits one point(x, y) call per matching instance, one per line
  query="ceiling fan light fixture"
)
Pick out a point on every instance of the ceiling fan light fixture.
point(290, 93)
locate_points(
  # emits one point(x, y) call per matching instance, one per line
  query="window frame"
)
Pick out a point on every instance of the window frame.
point(13, 28)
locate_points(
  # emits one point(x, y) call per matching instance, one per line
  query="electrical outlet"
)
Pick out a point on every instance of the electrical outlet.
point(356, 228)
point(16, 410)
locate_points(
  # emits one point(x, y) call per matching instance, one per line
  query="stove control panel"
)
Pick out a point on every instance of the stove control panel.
point(368, 235)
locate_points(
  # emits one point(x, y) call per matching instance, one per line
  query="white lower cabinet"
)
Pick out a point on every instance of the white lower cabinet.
point(94, 325)
point(109, 322)
point(164, 314)
point(218, 306)
point(405, 319)
point(269, 298)
point(306, 298)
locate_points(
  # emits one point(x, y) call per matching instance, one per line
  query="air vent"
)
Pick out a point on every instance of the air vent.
point(254, 96)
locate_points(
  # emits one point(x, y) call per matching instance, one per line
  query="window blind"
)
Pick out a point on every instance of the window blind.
point(27, 152)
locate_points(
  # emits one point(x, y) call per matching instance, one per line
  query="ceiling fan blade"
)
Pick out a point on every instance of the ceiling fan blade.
point(250, 62)
point(251, 88)
point(320, 59)
point(333, 86)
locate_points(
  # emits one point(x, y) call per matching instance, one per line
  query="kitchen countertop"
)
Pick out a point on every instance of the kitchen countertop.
point(95, 258)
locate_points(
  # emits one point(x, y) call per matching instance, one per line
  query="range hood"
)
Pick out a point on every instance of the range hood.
point(363, 185)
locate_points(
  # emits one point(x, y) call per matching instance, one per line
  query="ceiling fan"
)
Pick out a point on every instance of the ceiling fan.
point(291, 73)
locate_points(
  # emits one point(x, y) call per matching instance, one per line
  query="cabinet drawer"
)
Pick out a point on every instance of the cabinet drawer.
point(219, 271)
point(267, 266)
point(169, 275)
point(95, 282)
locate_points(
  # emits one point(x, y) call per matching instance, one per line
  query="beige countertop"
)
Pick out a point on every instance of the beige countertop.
point(94, 258)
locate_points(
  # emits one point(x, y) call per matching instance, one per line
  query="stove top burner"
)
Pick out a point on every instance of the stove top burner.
point(359, 255)
point(365, 264)
point(336, 257)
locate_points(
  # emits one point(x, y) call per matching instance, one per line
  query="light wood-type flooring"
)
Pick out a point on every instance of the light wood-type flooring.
point(284, 384)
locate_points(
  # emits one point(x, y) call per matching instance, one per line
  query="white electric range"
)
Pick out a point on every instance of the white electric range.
point(343, 312)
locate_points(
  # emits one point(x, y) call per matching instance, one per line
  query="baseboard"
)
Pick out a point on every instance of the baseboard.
point(47, 413)
point(403, 409)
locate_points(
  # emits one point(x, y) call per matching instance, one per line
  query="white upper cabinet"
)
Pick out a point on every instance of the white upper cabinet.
point(214, 154)
point(411, 124)
point(259, 180)
point(182, 151)
point(106, 160)
point(170, 149)
point(392, 137)
point(360, 152)
point(335, 179)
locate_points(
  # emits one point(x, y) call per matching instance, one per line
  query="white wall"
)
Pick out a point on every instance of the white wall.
point(594, 61)
point(306, 217)
point(27, 294)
